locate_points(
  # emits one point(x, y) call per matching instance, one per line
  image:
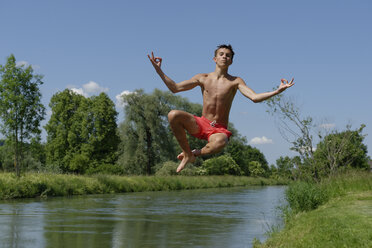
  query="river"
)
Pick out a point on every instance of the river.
point(226, 218)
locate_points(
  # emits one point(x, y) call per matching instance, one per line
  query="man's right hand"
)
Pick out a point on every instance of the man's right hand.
point(156, 61)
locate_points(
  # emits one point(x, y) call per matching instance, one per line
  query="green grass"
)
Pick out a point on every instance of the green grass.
point(342, 222)
point(334, 213)
point(32, 185)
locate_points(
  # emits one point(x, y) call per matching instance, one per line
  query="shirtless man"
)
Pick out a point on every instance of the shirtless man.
point(218, 89)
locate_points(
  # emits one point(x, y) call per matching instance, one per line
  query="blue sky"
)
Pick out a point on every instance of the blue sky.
point(95, 46)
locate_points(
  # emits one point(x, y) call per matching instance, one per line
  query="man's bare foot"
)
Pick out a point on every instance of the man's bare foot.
point(195, 152)
point(185, 160)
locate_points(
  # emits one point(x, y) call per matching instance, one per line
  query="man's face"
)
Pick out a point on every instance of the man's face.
point(223, 57)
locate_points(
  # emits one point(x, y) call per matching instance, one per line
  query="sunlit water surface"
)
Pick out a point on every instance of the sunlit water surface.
point(230, 217)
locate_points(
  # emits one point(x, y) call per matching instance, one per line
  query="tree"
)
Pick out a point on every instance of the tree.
point(81, 132)
point(63, 128)
point(21, 110)
point(243, 154)
point(255, 169)
point(146, 138)
point(101, 131)
point(285, 167)
point(294, 128)
point(341, 150)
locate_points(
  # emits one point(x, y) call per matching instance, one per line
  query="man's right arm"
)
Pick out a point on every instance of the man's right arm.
point(172, 86)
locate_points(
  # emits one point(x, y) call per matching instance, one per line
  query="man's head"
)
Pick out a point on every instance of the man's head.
point(223, 55)
point(226, 46)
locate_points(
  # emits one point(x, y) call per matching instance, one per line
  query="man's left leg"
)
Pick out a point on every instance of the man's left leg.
point(215, 145)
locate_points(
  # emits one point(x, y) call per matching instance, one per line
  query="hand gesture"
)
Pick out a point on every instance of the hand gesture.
point(156, 61)
point(284, 84)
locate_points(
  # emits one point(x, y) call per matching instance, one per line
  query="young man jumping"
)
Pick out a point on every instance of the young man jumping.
point(218, 89)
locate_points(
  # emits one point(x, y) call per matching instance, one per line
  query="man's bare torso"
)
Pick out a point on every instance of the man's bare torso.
point(218, 94)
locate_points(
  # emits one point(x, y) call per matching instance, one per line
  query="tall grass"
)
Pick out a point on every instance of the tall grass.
point(342, 221)
point(44, 184)
point(305, 196)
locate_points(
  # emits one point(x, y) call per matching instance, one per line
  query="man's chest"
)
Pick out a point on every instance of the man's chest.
point(219, 88)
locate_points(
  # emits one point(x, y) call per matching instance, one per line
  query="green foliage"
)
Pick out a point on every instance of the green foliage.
point(292, 168)
point(45, 184)
point(222, 165)
point(285, 166)
point(305, 196)
point(342, 221)
point(21, 110)
point(169, 169)
point(294, 128)
point(340, 150)
point(146, 137)
point(255, 169)
point(6, 156)
point(81, 132)
point(243, 154)
point(112, 169)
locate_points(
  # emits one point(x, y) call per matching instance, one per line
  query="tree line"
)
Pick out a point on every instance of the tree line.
point(83, 136)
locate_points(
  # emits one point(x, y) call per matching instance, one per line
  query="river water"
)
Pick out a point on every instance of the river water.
point(230, 217)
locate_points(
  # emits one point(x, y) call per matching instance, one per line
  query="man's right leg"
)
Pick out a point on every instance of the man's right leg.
point(179, 122)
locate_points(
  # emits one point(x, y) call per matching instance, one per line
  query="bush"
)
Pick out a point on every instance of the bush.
point(341, 150)
point(305, 196)
point(169, 169)
point(112, 169)
point(222, 165)
point(255, 169)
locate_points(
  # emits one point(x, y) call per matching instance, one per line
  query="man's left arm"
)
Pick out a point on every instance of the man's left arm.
point(259, 97)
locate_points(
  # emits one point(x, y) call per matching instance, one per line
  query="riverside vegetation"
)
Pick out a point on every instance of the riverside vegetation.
point(44, 185)
point(335, 212)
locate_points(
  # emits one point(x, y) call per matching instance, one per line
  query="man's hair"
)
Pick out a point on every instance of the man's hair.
point(227, 46)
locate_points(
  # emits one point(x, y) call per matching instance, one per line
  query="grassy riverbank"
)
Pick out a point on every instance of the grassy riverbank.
point(335, 213)
point(44, 185)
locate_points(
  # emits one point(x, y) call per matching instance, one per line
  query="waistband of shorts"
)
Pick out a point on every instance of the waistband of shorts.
point(214, 123)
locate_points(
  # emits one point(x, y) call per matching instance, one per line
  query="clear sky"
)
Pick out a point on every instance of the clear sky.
point(95, 46)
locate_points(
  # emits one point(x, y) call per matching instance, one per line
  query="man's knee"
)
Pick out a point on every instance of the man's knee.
point(219, 141)
point(173, 115)
point(221, 144)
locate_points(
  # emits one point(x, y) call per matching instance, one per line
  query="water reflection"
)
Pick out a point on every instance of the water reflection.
point(195, 218)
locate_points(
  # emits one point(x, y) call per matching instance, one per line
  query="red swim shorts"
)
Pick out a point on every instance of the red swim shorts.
point(207, 128)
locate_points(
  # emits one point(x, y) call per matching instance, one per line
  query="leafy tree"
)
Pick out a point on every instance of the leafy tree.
point(255, 169)
point(63, 128)
point(146, 137)
point(285, 167)
point(21, 110)
point(101, 131)
point(81, 132)
point(6, 156)
point(341, 150)
point(243, 154)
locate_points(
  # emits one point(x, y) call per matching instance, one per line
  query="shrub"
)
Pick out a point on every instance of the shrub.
point(222, 165)
point(305, 196)
point(169, 168)
point(112, 169)
point(255, 169)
